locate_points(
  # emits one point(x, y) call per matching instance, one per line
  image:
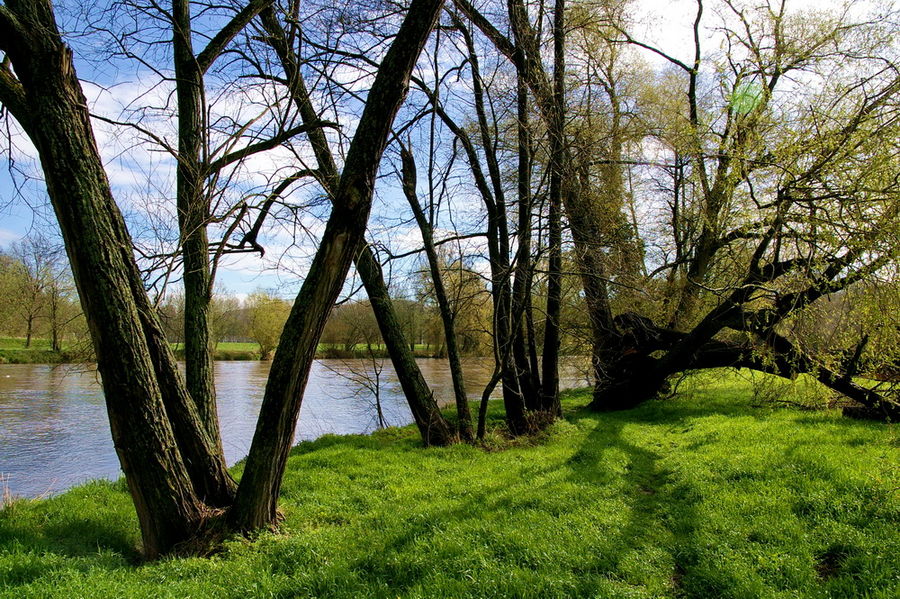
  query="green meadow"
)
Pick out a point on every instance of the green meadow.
point(724, 490)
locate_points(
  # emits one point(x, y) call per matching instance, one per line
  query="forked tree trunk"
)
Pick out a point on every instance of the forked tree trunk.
point(45, 97)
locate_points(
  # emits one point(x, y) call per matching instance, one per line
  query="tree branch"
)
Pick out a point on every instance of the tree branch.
point(217, 44)
point(265, 145)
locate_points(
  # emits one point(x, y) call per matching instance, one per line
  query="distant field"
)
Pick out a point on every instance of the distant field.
point(12, 349)
point(37, 343)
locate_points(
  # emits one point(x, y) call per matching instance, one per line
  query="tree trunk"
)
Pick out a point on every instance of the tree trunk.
point(464, 417)
point(529, 377)
point(558, 164)
point(433, 427)
point(46, 99)
point(257, 497)
point(29, 327)
point(54, 321)
point(193, 215)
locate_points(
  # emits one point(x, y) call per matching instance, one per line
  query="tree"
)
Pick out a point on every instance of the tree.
point(35, 260)
point(211, 145)
point(267, 315)
point(173, 468)
point(772, 171)
point(772, 163)
point(11, 272)
point(448, 317)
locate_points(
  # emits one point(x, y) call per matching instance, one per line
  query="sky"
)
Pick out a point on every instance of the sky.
point(136, 173)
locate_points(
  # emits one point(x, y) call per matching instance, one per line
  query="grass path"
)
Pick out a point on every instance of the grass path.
point(705, 495)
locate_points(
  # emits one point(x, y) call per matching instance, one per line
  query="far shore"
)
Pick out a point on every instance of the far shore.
point(13, 351)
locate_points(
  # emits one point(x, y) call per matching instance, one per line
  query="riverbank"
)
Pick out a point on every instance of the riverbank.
point(712, 494)
point(13, 351)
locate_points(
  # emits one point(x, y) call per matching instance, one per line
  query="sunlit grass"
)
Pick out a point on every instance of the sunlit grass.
point(716, 493)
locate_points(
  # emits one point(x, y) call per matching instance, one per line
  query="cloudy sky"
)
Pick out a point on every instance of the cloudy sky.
point(142, 175)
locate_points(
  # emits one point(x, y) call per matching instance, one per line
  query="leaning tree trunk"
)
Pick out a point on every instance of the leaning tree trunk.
point(256, 504)
point(46, 98)
point(463, 414)
point(433, 427)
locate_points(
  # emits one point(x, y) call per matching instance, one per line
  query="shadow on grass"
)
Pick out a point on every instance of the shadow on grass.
point(40, 537)
point(496, 522)
point(660, 509)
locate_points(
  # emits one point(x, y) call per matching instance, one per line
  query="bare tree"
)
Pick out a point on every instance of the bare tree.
point(173, 468)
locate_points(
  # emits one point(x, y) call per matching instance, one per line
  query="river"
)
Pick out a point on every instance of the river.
point(54, 432)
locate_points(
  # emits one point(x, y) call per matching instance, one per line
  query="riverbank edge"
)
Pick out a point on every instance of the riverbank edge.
point(43, 356)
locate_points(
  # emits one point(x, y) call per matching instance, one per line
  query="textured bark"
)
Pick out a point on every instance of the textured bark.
point(46, 99)
point(193, 216)
point(192, 200)
point(257, 497)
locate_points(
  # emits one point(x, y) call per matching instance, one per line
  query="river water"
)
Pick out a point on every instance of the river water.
point(54, 431)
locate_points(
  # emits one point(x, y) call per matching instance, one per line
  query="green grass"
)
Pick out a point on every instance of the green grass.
point(19, 343)
point(13, 351)
point(706, 495)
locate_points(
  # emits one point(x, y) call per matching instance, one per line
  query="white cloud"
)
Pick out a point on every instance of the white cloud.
point(7, 237)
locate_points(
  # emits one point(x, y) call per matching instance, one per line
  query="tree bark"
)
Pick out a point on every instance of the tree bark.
point(45, 97)
point(257, 497)
point(193, 216)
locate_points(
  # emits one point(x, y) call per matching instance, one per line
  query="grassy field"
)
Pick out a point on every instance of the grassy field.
point(706, 495)
point(13, 351)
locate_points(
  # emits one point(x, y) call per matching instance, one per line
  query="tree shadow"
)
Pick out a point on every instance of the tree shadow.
point(659, 507)
point(49, 535)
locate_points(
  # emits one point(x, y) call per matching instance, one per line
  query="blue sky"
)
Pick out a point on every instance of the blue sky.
point(137, 174)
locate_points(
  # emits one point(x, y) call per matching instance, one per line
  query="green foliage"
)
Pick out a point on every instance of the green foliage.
point(701, 496)
point(267, 315)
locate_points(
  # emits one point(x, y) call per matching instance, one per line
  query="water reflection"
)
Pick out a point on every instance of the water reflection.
point(54, 431)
